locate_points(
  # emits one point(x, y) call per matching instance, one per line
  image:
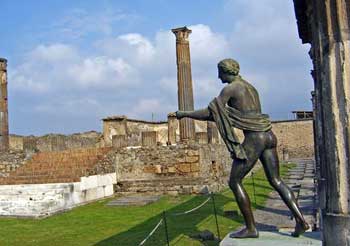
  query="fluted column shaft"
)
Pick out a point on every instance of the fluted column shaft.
point(4, 127)
point(184, 78)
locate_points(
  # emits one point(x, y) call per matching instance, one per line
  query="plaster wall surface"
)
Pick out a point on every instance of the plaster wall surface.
point(39, 200)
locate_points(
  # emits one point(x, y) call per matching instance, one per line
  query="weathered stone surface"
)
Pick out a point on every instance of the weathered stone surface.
point(325, 25)
point(10, 161)
point(149, 169)
point(119, 141)
point(274, 238)
point(40, 200)
point(184, 77)
point(149, 138)
point(4, 125)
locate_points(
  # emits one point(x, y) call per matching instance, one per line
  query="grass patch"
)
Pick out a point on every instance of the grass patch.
point(99, 225)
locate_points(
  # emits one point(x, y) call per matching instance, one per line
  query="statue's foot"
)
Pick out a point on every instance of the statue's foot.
point(245, 233)
point(300, 228)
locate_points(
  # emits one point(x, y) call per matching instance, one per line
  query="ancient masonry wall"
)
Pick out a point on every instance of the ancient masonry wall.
point(133, 129)
point(295, 137)
point(54, 142)
point(10, 161)
point(174, 169)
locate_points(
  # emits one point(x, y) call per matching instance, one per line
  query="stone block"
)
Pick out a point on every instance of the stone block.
point(158, 169)
point(88, 182)
point(149, 169)
point(106, 179)
point(195, 167)
point(194, 158)
point(184, 168)
point(171, 170)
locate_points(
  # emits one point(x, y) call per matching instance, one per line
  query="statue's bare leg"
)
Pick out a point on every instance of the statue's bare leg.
point(239, 170)
point(269, 159)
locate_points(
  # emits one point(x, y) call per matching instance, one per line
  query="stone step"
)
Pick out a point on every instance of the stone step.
point(267, 238)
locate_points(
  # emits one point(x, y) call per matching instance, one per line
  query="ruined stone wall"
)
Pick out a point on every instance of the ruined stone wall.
point(54, 142)
point(134, 128)
point(294, 138)
point(172, 169)
point(10, 161)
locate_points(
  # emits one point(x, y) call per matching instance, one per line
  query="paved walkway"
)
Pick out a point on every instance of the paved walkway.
point(274, 220)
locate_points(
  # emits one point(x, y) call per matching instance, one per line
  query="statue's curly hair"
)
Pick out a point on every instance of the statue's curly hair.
point(229, 66)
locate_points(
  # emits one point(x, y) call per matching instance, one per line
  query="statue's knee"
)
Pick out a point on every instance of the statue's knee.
point(276, 183)
point(233, 183)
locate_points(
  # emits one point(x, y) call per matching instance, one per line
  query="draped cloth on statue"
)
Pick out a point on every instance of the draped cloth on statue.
point(227, 118)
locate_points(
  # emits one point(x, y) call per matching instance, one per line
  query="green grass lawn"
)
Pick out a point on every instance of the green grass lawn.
point(99, 225)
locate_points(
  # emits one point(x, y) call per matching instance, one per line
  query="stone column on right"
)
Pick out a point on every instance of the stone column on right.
point(184, 78)
point(325, 25)
point(4, 126)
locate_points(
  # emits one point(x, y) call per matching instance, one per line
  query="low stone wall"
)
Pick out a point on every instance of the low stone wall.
point(55, 142)
point(40, 200)
point(10, 161)
point(295, 138)
point(172, 169)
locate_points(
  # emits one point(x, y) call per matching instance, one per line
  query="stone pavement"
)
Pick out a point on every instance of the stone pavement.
point(274, 219)
point(134, 200)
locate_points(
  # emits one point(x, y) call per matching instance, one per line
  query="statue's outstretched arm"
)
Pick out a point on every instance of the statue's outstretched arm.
point(200, 114)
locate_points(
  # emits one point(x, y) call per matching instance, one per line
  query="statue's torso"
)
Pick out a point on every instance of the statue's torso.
point(245, 98)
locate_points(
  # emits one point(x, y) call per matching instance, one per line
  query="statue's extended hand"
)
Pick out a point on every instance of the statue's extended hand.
point(180, 114)
point(172, 114)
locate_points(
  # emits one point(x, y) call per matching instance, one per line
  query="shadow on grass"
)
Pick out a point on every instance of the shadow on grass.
point(177, 225)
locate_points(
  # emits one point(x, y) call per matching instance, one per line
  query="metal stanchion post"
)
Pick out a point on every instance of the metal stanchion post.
point(216, 218)
point(166, 229)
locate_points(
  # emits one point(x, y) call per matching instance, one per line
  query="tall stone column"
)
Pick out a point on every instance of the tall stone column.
point(325, 25)
point(184, 80)
point(4, 126)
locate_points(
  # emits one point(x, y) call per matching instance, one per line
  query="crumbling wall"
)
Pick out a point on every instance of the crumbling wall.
point(10, 161)
point(294, 138)
point(172, 169)
point(54, 142)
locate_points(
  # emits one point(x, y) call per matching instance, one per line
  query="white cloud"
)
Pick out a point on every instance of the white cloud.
point(53, 53)
point(102, 72)
point(78, 23)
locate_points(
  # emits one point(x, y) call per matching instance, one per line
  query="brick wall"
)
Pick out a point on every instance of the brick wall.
point(57, 167)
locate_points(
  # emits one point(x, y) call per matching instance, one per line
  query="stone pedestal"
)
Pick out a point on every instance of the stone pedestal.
point(149, 138)
point(4, 127)
point(184, 78)
point(274, 238)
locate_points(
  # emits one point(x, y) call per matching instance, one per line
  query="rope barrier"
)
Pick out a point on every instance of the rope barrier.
point(193, 209)
point(151, 233)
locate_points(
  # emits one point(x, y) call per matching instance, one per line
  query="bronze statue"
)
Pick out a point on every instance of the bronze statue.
point(238, 106)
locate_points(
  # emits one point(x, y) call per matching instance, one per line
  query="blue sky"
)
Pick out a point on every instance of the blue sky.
point(72, 63)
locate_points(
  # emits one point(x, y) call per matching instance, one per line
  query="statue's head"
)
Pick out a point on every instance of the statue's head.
point(228, 69)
